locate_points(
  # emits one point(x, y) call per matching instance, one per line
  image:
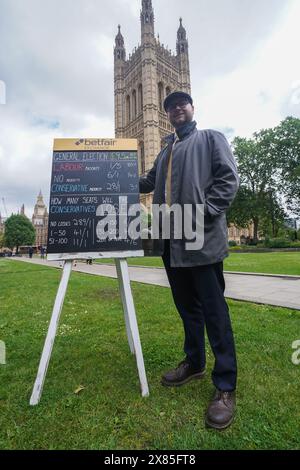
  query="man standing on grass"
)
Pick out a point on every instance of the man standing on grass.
point(197, 167)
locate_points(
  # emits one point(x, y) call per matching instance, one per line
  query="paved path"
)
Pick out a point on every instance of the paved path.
point(283, 291)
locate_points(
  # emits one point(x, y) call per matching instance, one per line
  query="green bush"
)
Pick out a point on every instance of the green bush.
point(252, 243)
point(277, 243)
point(236, 248)
point(232, 243)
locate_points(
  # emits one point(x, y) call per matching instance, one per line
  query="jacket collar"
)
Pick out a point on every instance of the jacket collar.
point(182, 132)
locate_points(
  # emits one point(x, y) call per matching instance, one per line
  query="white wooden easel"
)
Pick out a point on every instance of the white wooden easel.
point(130, 322)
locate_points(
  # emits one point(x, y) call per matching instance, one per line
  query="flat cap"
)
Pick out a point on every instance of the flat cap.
point(175, 96)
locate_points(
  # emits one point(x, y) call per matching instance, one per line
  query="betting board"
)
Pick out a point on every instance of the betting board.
point(94, 199)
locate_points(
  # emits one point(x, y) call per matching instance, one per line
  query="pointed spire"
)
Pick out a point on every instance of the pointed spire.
point(23, 210)
point(182, 42)
point(147, 19)
point(40, 200)
point(147, 9)
point(119, 51)
point(119, 37)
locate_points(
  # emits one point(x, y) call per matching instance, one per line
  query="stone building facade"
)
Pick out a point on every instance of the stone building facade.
point(240, 235)
point(141, 83)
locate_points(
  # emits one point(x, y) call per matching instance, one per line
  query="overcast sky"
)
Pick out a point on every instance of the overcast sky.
point(56, 59)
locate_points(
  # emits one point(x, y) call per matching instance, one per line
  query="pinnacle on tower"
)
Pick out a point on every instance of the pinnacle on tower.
point(182, 42)
point(40, 200)
point(147, 19)
point(119, 51)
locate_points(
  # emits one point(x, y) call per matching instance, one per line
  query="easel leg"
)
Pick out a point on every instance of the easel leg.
point(132, 322)
point(122, 292)
point(44, 362)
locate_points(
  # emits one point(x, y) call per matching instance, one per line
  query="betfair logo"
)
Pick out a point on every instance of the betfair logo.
point(2, 92)
point(96, 142)
point(2, 352)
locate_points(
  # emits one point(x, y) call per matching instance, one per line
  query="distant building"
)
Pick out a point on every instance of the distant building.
point(240, 235)
point(40, 221)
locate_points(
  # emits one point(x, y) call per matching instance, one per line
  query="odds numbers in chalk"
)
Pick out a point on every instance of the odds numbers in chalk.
point(92, 178)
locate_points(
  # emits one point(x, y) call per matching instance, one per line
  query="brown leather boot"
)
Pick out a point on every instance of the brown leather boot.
point(182, 374)
point(220, 411)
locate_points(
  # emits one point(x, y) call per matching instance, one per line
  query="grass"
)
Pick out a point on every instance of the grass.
point(271, 263)
point(91, 350)
point(153, 262)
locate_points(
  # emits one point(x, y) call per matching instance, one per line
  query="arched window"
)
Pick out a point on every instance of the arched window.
point(168, 90)
point(134, 105)
point(140, 99)
point(128, 110)
point(160, 95)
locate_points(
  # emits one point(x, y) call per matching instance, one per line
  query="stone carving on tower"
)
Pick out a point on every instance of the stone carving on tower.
point(141, 83)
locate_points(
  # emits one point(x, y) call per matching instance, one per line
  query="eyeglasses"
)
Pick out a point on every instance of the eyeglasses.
point(181, 104)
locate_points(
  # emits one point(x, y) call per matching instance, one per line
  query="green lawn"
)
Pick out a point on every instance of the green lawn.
point(144, 261)
point(272, 263)
point(91, 350)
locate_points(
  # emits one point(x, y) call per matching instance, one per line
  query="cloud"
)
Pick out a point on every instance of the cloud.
point(222, 34)
point(56, 59)
point(2, 92)
point(26, 157)
point(261, 92)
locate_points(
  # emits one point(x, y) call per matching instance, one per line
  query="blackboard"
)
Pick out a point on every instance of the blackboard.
point(93, 181)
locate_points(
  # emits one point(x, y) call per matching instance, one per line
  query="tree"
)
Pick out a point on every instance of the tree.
point(18, 231)
point(240, 212)
point(287, 147)
point(269, 167)
point(259, 172)
point(1, 240)
point(273, 221)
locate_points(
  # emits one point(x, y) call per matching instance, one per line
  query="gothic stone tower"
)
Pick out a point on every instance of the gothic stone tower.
point(40, 221)
point(141, 84)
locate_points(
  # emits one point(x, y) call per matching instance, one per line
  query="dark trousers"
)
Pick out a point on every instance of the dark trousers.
point(198, 293)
